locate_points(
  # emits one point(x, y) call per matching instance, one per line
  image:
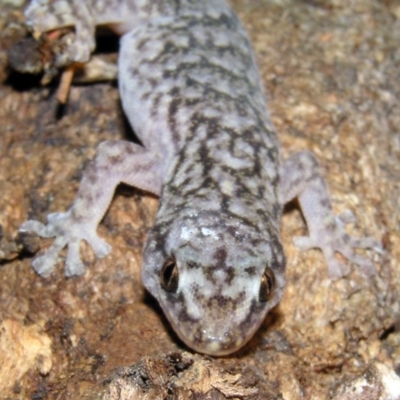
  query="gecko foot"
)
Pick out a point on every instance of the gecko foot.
point(66, 230)
point(332, 237)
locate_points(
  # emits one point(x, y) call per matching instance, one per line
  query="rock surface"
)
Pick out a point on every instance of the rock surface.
point(331, 73)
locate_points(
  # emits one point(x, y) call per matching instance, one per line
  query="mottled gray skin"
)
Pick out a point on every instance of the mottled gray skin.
point(191, 90)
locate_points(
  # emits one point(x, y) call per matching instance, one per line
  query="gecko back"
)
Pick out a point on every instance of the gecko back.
point(191, 90)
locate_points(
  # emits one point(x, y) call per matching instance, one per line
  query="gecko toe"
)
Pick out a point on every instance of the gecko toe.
point(366, 243)
point(366, 266)
point(34, 226)
point(74, 265)
point(44, 265)
point(304, 243)
point(336, 268)
point(346, 217)
point(100, 247)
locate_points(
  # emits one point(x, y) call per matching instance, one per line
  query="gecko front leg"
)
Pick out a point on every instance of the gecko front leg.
point(301, 177)
point(115, 162)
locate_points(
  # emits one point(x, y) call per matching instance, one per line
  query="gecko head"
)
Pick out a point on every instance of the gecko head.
point(214, 281)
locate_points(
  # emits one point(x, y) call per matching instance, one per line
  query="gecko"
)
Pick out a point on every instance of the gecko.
point(191, 90)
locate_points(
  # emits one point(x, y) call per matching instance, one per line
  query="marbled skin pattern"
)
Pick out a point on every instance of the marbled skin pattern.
point(191, 90)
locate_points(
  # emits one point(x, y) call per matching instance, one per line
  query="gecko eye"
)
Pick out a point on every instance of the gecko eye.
point(170, 276)
point(267, 285)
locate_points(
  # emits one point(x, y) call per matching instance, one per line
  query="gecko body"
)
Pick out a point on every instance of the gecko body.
point(191, 90)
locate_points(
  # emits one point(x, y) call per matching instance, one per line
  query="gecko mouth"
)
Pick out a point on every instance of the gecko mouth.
point(218, 345)
point(217, 335)
point(214, 341)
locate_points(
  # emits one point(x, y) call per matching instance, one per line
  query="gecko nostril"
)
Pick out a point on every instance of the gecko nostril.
point(170, 276)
